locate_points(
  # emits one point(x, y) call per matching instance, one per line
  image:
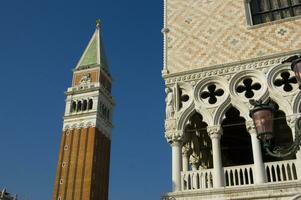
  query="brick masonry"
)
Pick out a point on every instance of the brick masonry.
point(83, 166)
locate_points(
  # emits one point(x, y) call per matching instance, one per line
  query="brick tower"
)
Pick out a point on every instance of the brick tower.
point(84, 157)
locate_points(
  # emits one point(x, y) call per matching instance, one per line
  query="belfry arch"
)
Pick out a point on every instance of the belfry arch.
point(236, 140)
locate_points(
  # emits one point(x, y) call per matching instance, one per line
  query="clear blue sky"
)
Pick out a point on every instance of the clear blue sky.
point(40, 43)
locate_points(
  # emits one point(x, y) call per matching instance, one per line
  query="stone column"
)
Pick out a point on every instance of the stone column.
point(186, 151)
point(195, 163)
point(215, 133)
point(259, 171)
point(176, 165)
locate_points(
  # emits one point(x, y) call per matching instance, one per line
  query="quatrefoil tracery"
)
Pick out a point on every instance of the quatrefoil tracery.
point(183, 98)
point(212, 93)
point(248, 87)
point(286, 81)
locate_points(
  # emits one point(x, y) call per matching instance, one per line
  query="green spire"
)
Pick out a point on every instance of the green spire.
point(94, 55)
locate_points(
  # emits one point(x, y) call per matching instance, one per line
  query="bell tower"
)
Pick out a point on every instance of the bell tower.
point(84, 156)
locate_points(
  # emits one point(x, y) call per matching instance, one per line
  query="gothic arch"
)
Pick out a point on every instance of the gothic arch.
point(236, 140)
point(297, 103)
point(189, 112)
point(220, 112)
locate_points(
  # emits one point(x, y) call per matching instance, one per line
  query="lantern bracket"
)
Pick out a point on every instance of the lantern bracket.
point(278, 151)
point(281, 152)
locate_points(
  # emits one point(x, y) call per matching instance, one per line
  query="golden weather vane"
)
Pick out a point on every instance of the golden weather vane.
point(98, 23)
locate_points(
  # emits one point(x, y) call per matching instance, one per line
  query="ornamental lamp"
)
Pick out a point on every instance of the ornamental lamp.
point(263, 115)
point(296, 67)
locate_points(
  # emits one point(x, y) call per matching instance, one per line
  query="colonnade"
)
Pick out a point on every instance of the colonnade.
point(180, 160)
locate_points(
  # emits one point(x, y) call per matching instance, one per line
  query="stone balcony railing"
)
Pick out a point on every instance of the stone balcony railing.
point(280, 171)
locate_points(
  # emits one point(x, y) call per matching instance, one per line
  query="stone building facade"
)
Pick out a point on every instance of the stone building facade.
point(219, 54)
point(84, 157)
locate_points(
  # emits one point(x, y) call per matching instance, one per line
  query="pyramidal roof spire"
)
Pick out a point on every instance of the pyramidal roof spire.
point(94, 54)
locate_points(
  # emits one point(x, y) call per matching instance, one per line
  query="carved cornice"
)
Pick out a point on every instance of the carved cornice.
point(225, 70)
point(78, 125)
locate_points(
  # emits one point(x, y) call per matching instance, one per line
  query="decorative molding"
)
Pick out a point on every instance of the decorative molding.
point(225, 70)
point(262, 72)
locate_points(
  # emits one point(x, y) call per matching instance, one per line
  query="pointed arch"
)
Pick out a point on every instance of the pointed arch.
point(297, 103)
point(219, 115)
point(236, 140)
point(189, 111)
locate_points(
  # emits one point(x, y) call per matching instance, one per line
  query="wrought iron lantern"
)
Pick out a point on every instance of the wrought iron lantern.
point(263, 117)
point(296, 67)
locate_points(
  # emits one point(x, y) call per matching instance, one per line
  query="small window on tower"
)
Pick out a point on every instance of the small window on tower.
point(79, 106)
point(61, 181)
point(85, 105)
point(90, 104)
point(73, 106)
point(263, 11)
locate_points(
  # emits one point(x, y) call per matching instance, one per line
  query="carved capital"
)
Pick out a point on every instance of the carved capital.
point(170, 125)
point(214, 131)
point(176, 143)
point(174, 137)
point(250, 127)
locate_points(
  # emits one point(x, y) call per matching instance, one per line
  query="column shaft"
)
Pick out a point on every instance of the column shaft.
point(259, 172)
point(185, 162)
point(298, 154)
point(218, 178)
point(176, 166)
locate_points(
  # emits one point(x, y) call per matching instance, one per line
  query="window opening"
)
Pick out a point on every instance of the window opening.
point(270, 10)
